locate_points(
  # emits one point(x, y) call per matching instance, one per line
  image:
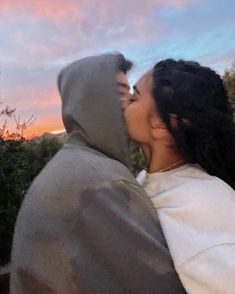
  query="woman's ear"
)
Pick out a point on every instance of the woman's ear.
point(158, 129)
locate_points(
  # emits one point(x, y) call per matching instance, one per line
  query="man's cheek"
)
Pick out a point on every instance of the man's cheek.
point(125, 101)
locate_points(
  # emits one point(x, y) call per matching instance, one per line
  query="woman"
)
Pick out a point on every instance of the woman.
point(181, 118)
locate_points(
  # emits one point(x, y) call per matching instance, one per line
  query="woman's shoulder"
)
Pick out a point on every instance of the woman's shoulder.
point(194, 178)
point(192, 186)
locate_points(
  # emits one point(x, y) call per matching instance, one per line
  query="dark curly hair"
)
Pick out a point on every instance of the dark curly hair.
point(205, 131)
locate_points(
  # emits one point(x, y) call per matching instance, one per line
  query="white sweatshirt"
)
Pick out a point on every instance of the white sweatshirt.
point(197, 215)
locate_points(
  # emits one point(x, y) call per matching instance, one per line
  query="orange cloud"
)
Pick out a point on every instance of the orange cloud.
point(44, 125)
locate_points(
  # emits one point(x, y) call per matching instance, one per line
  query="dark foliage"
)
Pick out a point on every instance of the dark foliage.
point(20, 162)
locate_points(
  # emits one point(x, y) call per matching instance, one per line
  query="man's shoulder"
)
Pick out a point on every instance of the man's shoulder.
point(77, 169)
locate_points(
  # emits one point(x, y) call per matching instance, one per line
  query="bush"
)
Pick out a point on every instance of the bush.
point(229, 82)
point(137, 158)
point(20, 162)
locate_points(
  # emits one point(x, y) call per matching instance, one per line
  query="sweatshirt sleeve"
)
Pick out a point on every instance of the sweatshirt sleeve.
point(211, 271)
point(120, 244)
point(104, 239)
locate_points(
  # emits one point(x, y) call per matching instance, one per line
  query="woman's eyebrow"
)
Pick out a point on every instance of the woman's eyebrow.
point(136, 89)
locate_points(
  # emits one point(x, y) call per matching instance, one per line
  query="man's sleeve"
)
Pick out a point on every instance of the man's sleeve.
point(119, 244)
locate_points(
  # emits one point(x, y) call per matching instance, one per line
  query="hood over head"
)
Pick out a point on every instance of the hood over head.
point(91, 107)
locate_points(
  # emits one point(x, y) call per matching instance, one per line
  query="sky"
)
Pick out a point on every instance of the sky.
point(38, 38)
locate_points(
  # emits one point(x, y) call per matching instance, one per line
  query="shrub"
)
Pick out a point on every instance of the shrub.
point(20, 162)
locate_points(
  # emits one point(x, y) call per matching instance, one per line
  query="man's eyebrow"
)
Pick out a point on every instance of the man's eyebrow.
point(136, 89)
point(124, 85)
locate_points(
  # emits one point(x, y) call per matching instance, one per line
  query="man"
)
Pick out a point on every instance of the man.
point(85, 225)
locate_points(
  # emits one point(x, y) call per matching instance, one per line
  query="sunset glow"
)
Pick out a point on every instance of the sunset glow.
point(38, 38)
point(48, 127)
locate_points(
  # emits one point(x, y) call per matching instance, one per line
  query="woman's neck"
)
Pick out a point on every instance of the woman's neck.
point(162, 158)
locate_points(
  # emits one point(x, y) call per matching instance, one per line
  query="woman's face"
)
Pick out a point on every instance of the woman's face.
point(140, 110)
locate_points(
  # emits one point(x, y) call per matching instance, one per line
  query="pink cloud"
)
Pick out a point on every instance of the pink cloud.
point(51, 10)
point(40, 98)
point(83, 24)
point(136, 17)
point(63, 9)
point(28, 98)
point(38, 33)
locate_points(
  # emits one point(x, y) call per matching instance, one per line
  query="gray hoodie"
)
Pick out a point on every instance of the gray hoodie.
point(85, 225)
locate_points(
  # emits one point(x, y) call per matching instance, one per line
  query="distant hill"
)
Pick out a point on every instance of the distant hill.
point(61, 137)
